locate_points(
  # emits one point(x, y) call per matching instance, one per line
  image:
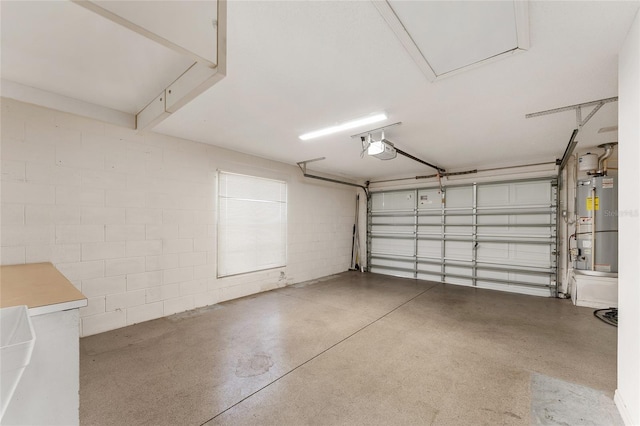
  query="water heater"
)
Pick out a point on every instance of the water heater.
point(588, 162)
point(597, 224)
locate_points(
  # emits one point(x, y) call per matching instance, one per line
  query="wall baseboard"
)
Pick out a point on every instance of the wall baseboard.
point(622, 408)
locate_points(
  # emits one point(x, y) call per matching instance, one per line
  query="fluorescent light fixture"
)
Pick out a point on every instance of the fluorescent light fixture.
point(344, 126)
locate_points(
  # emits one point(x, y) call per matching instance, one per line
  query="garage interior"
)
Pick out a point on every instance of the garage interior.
point(359, 212)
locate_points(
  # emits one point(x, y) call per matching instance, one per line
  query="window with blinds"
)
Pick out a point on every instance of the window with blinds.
point(252, 224)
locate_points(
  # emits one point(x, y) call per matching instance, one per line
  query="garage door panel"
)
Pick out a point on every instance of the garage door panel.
point(458, 281)
point(459, 197)
point(429, 199)
point(513, 288)
point(429, 277)
point(493, 195)
point(392, 272)
point(526, 254)
point(429, 230)
point(391, 246)
point(458, 250)
point(503, 238)
point(514, 254)
point(532, 218)
point(488, 274)
point(492, 252)
point(430, 220)
point(430, 268)
point(490, 230)
point(395, 220)
point(392, 229)
point(395, 264)
point(530, 193)
point(534, 279)
point(499, 220)
point(458, 270)
point(429, 248)
point(385, 201)
point(458, 230)
point(545, 230)
point(466, 219)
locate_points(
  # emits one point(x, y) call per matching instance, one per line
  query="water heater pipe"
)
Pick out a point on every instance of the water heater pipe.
point(608, 150)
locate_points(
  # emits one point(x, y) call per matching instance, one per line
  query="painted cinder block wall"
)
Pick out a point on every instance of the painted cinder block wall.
point(130, 218)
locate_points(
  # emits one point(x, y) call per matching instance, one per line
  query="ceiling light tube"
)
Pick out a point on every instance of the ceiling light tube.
point(344, 126)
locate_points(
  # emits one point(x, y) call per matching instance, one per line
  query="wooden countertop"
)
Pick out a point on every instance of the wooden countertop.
point(40, 286)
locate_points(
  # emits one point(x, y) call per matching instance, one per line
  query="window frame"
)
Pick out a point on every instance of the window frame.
point(282, 220)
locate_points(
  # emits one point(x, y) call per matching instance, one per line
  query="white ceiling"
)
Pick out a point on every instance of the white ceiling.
point(294, 67)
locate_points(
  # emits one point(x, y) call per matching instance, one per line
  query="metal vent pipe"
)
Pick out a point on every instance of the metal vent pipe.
point(608, 150)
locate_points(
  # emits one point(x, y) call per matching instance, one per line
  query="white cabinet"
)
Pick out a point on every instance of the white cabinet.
point(48, 392)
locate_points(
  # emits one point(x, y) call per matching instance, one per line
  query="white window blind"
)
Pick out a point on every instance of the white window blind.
point(252, 224)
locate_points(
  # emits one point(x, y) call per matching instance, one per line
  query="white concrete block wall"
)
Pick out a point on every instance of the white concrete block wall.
point(130, 219)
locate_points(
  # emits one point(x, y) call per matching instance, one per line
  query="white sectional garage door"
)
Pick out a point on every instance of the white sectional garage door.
point(491, 235)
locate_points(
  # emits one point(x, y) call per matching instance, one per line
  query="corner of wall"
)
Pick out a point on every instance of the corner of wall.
point(628, 389)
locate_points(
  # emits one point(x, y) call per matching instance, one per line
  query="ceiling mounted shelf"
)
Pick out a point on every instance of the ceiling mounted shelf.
point(126, 63)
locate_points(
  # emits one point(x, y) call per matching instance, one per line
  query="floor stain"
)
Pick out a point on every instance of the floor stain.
point(252, 365)
point(510, 414)
point(507, 413)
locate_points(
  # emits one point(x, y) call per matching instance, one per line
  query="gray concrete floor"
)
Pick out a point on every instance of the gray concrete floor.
point(350, 349)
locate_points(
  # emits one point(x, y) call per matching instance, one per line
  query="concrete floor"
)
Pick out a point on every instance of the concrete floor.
point(350, 349)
